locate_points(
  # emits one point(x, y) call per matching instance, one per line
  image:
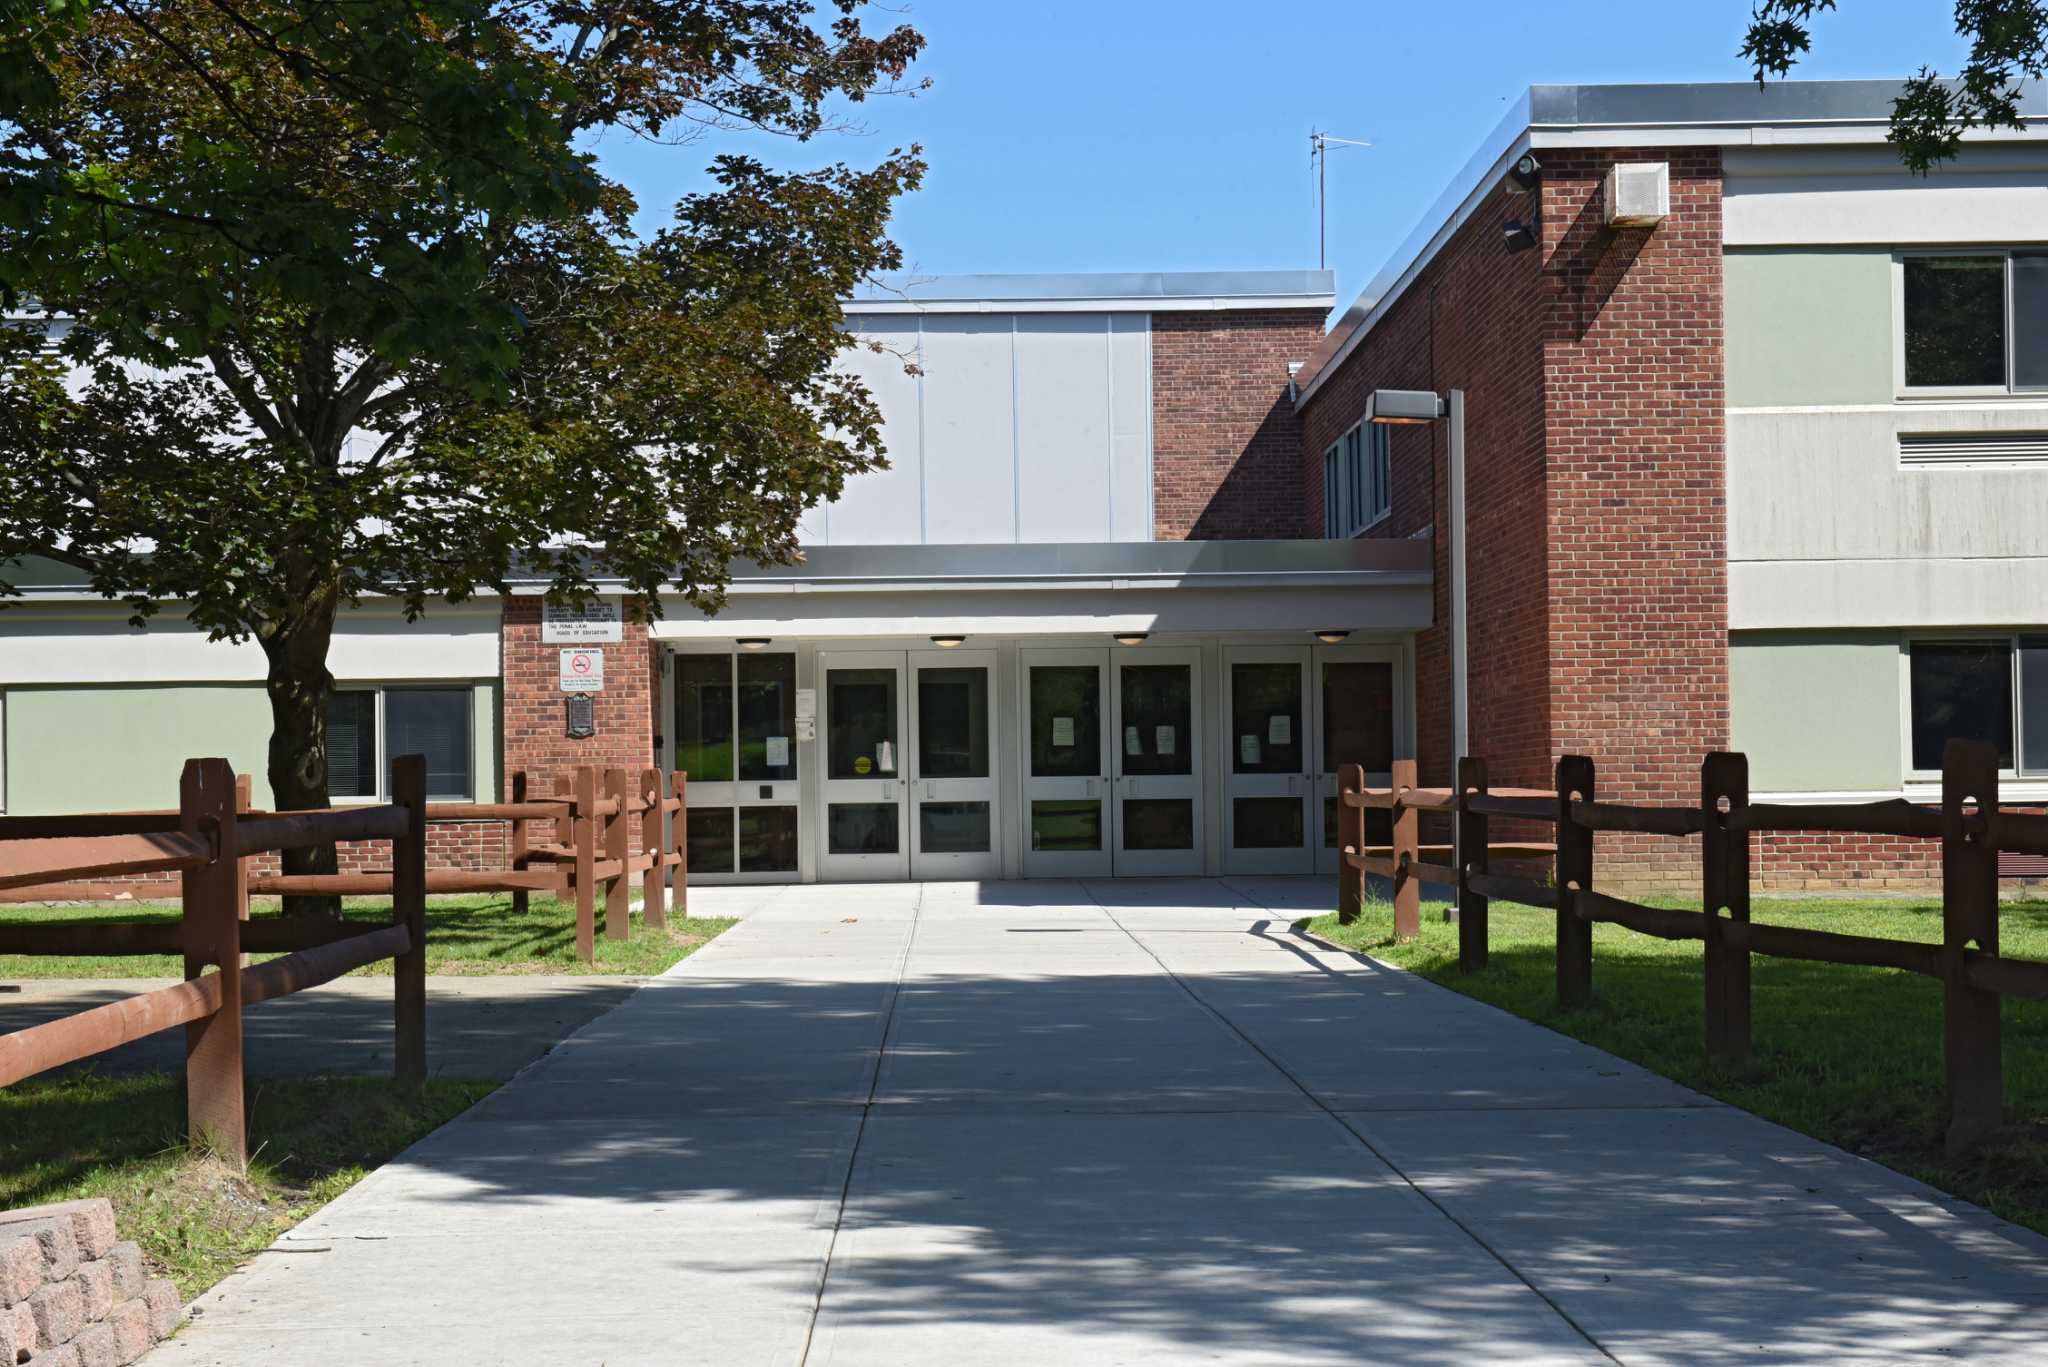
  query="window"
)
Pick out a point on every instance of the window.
point(369, 727)
point(1357, 487)
point(1992, 688)
point(1975, 320)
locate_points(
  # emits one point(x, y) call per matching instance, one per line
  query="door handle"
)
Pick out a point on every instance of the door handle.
point(931, 790)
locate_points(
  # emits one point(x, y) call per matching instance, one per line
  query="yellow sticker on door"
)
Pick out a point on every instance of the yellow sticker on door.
point(861, 764)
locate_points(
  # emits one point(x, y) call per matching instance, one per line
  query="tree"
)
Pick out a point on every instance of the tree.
point(353, 310)
point(2008, 42)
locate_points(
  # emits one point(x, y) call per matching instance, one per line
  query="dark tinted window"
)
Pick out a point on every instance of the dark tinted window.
point(1961, 690)
point(437, 723)
point(1955, 320)
point(352, 744)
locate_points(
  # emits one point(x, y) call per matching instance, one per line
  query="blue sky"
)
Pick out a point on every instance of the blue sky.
point(1143, 135)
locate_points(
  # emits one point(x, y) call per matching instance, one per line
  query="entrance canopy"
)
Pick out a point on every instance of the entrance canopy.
point(1163, 588)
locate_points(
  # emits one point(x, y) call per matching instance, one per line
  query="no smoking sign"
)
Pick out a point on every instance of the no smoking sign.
point(582, 671)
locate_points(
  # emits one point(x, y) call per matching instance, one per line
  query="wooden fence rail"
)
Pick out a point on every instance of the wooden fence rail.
point(46, 862)
point(1969, 823)
point(213, 837)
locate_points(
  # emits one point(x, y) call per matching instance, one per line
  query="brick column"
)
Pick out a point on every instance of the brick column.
point(1635, 438)
point(535, 716)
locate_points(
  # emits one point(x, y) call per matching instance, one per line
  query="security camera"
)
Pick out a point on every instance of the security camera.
point(1525, 175)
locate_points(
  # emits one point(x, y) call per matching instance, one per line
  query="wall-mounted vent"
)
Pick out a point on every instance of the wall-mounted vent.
point(1638, 193)
point(1974, 450)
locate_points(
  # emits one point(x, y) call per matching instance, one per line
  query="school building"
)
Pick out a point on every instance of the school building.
point(1687, 419)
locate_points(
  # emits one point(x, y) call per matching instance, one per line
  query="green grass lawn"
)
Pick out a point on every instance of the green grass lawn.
point(124, 1138)
point(465, 935)
point(1848, 1055)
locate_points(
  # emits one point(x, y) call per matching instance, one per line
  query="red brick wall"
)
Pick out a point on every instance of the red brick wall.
point(1225, 439)
point(1469, 322)
point(1635, 444)
point(1593, 374)
point(535, 719)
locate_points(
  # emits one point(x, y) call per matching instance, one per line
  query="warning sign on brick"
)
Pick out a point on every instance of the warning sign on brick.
point(582, 671)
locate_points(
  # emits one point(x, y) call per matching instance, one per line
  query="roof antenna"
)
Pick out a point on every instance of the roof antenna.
point(1319, 145)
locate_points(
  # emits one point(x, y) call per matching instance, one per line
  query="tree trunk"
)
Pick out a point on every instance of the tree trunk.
point(299, 687)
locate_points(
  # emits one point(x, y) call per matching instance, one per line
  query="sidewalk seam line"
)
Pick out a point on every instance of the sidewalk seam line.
point(860, 1131)
point(1349, 1129)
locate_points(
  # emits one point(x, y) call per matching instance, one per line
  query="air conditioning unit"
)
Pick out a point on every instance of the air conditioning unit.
point(1638, 193)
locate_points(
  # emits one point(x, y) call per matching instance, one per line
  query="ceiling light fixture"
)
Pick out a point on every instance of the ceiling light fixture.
point(1130, 638)
point(947, 642)
point(754, 642)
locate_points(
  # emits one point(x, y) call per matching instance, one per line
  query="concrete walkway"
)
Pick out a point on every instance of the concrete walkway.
point(1112, 1123)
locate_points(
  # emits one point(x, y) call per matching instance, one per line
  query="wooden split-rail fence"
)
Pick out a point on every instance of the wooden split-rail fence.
point(207, 842)
point(1970, 824)
point(576, 844)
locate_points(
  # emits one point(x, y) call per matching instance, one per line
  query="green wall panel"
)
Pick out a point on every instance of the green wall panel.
point(109, 747)
point(116, 748)
point(1816, 711)
point(1808, 327)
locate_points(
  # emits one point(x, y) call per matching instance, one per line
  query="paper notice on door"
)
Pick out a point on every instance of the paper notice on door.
point(1063, 731)
point(1248, 749)
point(1280, 730)
point(807, 704)
point(1132, 744)
point(1164, 737)
point(778, 751)
point(885, 756)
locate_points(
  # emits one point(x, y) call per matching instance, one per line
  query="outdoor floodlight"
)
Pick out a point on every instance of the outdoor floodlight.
point(1520, 236)
point(1525, 175)
point(1399, 406)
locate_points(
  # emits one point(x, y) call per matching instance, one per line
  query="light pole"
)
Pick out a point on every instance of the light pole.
point(1410, 407)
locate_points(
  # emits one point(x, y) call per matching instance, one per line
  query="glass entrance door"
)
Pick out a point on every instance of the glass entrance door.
point(734, 735)
point(864, 795)
point(1158, 755)
point(1066, 763)
point(1266, 770)
point(952, 770)
point(1357, 722)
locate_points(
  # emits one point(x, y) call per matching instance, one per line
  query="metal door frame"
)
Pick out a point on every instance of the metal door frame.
point(871, 791)
point(1066, 863)
point(1191, 785)
point(1296, 785)
point(982, 864)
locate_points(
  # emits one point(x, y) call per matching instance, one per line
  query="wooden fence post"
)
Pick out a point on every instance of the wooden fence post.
point(1969, 912)
point(653, 887)
point(1471, 858)
point(1574, 872)
point(585, 824)
point(245, 792)
point(212, 931)
point(679, 835)
point(1724, 887)
point(565, 833)
point(409, 909)
point(516, 856)
point(618, 832)
point(1350, 840)
point(1407, 852)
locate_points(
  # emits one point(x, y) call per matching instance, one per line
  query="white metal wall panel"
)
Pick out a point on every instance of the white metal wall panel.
point(85, 644)
point(970, 431)
point(882, 507)
point(1130, 427)
point(1844, 196)
point(1020, 426)
point(1064, 388)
